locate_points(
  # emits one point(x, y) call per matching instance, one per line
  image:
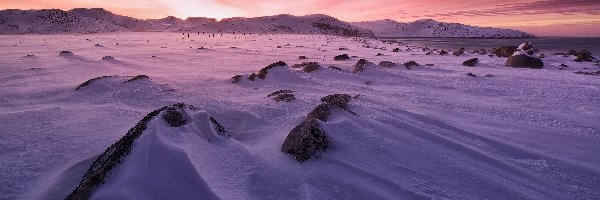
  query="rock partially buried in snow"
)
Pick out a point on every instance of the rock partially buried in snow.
point(108, 58)
point(88, 82)
point(302, 57)
point(410, 64)
point(262, 74)
point(386, 64)
point(341, 57)
point(108, 163)
point(361, 65)
point(236, 78)
point(459, 52)
point(138, 77)
point(307, 140)
point(471, 62)
point(283, 95)
point(504, 51)
point(66, 53)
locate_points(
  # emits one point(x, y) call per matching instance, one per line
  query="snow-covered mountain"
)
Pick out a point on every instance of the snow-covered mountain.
point(82, 20)
point(432, 28)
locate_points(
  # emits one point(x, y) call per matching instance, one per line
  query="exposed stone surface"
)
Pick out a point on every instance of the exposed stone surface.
point(283, 95)
point(236, 78)
point(65, 53)
point(114, 155)
point(471, 74)
point(504, 51)
point(360, 65)
point(108, 58)
point(252, 77)
point(262, 73)
point(339, 100)
point(459, 52)
point(524, 61)
point(471, 62)
point(341, 57)
point(173, 117)
point(138, 77)
point(410, 64)
point(396, 50)
point(302, 57)
point(86, 83)
point(443, 52)
point(305, 140)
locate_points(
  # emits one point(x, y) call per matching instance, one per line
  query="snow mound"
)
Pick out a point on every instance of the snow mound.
point(149, 156)
point(139, 83)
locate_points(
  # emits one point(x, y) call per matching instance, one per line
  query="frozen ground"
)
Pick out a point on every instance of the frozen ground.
point(427, 132)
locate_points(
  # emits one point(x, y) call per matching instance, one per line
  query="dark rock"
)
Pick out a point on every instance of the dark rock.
point(429, 65)
point(524, 61)
point(471, 74)
point(343, 49)
point(173, 117)
point(396, 50)
point(597, 73)
point(410, 64)
point(488, 75)
point(98, 45)
point(138, 77)
point(584, 56)
point(563, 65)
point(236, 78)
point(65, 53)
point(252, 77)
point(339, 100)
point(341, 57)
point(302, 57)
point(443, 52)
point(572, 53)
point(505, 51)
point(283, 95)
point(86, 83)
point(114, 155)
point(309, 67)
point(379, 54)
point(471, 62)
point(262, 73)
point(387, 64)
point(461, 51)
point(320, 112)
point(482, 51)
point(108, 58)
point(305, 141)
point(360, 65)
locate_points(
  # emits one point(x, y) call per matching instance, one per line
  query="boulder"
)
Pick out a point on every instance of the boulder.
point(361, 65)
point(505, 51)
point(339, 100)
point(396, 50)
point(252, 77)
point(471, 74)
point(471, 62)
point(309, 67)
point(108, 58)
point(302, 57)
point(65, 53)
point(341, 57)
point(443, 52)
point(524, 61)
point(306, 140)
point(409, 64)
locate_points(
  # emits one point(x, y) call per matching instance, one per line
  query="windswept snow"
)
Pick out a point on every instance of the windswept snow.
point(429, 131)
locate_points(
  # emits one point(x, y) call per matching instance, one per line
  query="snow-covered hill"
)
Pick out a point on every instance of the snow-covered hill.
point(432, 28)
point(81, 20)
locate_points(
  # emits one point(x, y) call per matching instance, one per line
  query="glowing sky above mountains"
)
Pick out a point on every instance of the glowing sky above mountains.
point(541, 17)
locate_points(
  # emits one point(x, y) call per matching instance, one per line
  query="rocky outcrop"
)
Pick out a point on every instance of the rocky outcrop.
point(459, 52)
point(88, 82)
point(138, 77)
point(307, 139)
point(65, 53)
point(114, 155)
point(262, 73)
point(236, 78)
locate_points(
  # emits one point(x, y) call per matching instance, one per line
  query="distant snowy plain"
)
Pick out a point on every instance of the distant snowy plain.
point(425, 132)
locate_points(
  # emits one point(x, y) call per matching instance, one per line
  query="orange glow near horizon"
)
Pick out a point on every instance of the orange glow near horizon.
point(541, 17)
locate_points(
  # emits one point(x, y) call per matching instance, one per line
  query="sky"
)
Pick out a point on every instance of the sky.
point(540, 17)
